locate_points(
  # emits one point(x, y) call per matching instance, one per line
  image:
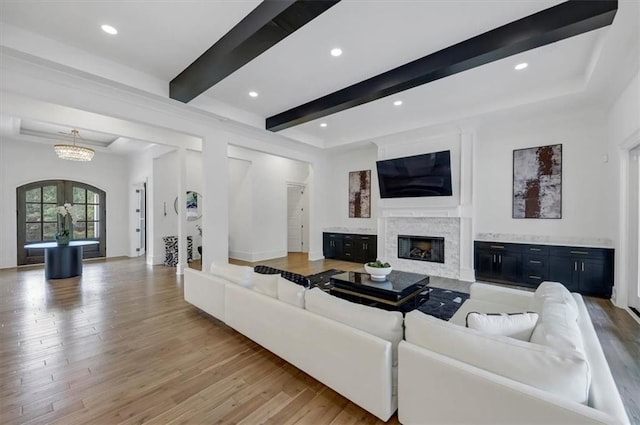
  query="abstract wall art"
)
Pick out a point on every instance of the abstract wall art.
point(537, 182)
point(360, 194)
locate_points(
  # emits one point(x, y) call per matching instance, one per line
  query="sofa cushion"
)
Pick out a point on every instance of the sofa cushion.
point(233, 273)
point(266, 284)
point(557, 328)
point(381, 323)
point(290, 292)
point(564, 373)
point(513, 325)
point(553, 291)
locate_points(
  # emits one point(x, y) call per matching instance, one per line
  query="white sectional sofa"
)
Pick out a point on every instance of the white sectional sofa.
point(450, 373)
point(348, 347)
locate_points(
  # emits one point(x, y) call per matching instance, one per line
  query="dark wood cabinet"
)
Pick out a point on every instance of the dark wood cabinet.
point(349, 247)
point(585, 270)
point(332, 245)
point(498, 261)
point(588, 271)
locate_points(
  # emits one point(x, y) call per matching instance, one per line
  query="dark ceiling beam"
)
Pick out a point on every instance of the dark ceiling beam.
point(548, 26)
point(270, 22)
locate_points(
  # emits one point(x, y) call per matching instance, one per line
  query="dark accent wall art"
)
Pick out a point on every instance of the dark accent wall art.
point(360, 194)
point(537, 182)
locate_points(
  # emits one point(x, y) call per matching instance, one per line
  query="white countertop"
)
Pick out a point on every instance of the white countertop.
point(354, 230)
point(587, 242)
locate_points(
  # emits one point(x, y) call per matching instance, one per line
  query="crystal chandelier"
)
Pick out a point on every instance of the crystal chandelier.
point(74, 152)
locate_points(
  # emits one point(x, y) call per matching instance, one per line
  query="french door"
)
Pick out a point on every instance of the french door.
point(37, 220)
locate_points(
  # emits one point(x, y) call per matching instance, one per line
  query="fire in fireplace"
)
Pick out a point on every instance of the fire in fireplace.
point(421, 248)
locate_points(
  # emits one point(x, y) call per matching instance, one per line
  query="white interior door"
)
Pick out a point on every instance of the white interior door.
point(141, 227)
point(634, 231)
point(295, 218)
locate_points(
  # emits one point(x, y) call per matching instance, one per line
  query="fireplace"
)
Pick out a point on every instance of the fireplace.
point(421, 248)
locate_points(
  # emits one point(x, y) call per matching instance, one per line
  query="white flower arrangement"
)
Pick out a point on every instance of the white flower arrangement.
point(65, 209)
point(68, 214)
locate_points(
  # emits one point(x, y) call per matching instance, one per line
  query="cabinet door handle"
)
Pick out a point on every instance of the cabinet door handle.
point(497, 246)
point(580, 252)
point(575, 266)
point(535, 277)
point(535, 249)
point(535, 261)
point(583, 266)
point(493, 258)
point(500, 258)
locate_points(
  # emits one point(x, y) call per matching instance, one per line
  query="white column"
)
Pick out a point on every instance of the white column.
point(467, 272)
point(215, 213)
point(182, 210)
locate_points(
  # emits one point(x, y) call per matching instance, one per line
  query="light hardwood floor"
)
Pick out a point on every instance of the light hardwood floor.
point(120, 345)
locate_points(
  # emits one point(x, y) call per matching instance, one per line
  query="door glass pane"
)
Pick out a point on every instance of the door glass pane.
point(80, 212)
point(79, 195)
point(33, 232)
point(91, 212)
point(49, 212)
point(33, 195)
point(79, 230)
point(49, 231)
point(33, 212)
point(92, 197)
point(50, 194)
point(91, 226)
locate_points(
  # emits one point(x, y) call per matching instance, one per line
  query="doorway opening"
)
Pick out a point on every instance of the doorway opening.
point(297, 218)
point(634, 231)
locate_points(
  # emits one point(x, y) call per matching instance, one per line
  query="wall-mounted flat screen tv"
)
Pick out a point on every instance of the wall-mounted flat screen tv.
point(415, 176)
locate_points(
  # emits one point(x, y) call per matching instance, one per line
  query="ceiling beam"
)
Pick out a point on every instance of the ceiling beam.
point(270, 22)
point(548, 26)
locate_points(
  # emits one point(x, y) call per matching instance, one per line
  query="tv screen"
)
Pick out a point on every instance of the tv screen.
point(415, 176)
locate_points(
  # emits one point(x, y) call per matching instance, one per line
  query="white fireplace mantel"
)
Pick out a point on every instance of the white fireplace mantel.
point(456, 211)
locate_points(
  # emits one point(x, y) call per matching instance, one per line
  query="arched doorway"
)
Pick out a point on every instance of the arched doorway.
point(37, 220)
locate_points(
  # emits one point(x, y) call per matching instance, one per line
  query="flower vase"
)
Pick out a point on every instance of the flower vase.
point(63, 236)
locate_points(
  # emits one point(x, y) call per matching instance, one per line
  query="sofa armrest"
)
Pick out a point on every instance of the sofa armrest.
point(501, 295)
point(205, 291)
point(427, 382)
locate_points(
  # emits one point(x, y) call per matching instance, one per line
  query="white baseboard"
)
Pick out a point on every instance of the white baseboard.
point(467, 275)
point(155, 260)
point(315, 255)
point(253, 257)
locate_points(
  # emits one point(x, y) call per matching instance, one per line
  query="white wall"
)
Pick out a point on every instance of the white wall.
point(165, 192)
point(240, 208)
point(269, 176)
point(587, 181)
point(24, 162)
point(341, 163)
point(623, 126)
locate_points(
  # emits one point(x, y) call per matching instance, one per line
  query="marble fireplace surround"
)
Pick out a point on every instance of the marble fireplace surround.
point(431, 222)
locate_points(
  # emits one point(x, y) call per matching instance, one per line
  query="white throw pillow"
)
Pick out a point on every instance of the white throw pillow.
point(554, 291)
point(514, 325)
point(266, 284)
point(381, 323)
point(290, 293)
point(233, 273)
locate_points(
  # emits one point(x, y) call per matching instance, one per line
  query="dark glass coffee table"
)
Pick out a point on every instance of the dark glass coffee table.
point(399, 291)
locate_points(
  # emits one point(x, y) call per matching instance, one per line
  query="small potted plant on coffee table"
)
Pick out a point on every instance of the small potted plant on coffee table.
point(378, 270)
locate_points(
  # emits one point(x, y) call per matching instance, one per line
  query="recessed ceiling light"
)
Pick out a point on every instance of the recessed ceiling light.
point(397, 103)
point(324, 124)
point(336, 52)
point(521, 66)
point(109, 29)
point(253, 94)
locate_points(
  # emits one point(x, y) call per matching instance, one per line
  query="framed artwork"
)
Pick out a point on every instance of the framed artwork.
point(537, 182)
point(360, 194)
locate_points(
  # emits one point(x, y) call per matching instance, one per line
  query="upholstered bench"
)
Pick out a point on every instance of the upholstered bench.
point(293, 277)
